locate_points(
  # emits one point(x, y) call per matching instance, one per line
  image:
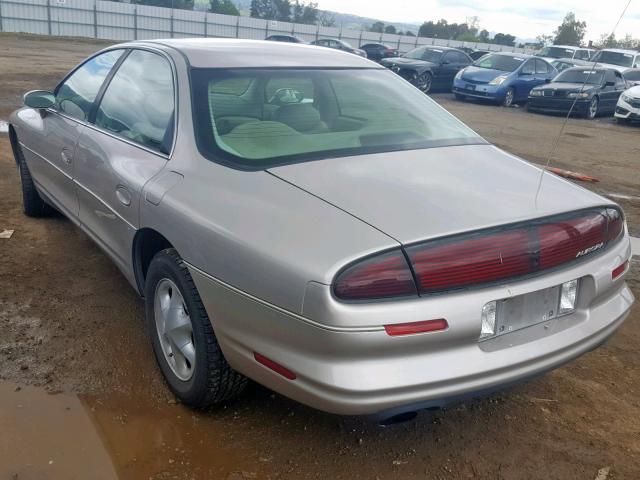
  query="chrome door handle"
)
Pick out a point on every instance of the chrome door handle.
point(66, 156)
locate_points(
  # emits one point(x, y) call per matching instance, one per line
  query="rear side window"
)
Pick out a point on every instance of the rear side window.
point(541, 66)
point(529, 67)
point(76, 95)
point(139, 103)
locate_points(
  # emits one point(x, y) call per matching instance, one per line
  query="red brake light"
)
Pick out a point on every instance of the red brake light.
point(416, 327)
point(386, 275)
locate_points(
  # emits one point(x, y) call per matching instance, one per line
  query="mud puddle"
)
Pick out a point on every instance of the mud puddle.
point(62, 436)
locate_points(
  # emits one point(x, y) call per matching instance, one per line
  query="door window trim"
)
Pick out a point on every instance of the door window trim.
point(105, 85)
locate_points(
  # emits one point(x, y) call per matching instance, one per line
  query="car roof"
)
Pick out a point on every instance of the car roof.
point(565, 46)
point(577, 61)
point(514, 54)
point(235, 53)
point(582, 68)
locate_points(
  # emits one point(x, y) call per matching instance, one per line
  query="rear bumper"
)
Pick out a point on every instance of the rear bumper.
point(359, 369)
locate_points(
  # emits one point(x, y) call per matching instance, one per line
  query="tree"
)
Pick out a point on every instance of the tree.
point(377, 27)
point(544, 40)
point(281, 10)
point(226, 7)
point(260, 9)
point(326, 19)
point(483, 36)
point(390, 29)
point(571, 31)
point(409, 33)
point(504, 39)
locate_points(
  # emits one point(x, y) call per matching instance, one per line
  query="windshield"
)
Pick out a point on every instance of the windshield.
point(255, 118)
point(504, 63)
point(423, 53)
point(613, 58)
point(634, 76)
point(556, 52)
point(594, 77)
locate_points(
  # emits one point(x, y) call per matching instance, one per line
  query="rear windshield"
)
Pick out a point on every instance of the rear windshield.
point(427, 54)
point(503, 63)
point(581, 76)
point(613, 58)
point(255, 118)
point(556, 52)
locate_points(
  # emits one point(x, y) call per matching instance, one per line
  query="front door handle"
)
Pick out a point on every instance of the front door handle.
point(123, 195)
point(66, 155)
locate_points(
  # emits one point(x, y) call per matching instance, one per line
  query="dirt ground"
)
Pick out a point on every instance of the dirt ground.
point(72, 325)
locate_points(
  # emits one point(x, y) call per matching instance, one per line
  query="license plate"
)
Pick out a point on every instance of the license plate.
point(470, 87)
point(525, 310)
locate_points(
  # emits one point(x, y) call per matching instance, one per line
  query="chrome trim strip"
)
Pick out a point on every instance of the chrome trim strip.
point(133, 227)
point(283, 310)
point(47, 160)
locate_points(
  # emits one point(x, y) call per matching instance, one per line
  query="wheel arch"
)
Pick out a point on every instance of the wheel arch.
point(146, 243)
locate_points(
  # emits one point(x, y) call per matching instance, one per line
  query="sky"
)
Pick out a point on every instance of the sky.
point(526, 19)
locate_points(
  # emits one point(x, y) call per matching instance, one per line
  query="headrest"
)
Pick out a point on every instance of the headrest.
point(299, 116)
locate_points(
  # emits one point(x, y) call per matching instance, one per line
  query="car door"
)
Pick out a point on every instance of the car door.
point(526, 79)
point(129, 141)
point(614, 86)
point(449, 66)
point(49, 147)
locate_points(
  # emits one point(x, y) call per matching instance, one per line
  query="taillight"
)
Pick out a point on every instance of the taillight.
point(386, 275)
point(484, 257)
point(512, 251)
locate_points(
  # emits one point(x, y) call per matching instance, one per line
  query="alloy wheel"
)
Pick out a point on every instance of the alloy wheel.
point(593, 108)
point(423, 82)
point(174, 329)
point(508, 98)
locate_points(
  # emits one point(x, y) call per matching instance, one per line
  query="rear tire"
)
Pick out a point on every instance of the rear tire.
point(32, 203)
point(205, 378)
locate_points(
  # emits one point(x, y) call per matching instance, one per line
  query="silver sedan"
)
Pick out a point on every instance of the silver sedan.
point(305, 218)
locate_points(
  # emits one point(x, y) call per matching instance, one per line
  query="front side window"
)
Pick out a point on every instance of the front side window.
point(139, 103)
point(75, 96)
point(296, 115)
point(495, 61)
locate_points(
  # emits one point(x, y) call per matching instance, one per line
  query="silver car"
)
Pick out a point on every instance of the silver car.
point(305, 218)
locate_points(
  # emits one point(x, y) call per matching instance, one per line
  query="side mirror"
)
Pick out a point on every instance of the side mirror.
point(547, 80)
point(39, 99)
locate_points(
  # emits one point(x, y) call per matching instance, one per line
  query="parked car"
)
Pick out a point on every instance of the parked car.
point(429, 67)
point(378, 51)
point(617, 58)
point(632, 76)
point(381, 259)
point(338, 45)
point(285, 39)
point(476, 54)
point(585, 91)
point(561, 64)
point(565, 51)
point(628, 107)
point(504, 78)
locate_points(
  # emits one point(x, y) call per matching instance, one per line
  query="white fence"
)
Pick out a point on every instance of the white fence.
point(125, 21)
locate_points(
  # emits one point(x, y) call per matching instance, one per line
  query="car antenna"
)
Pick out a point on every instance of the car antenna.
point(564, 124)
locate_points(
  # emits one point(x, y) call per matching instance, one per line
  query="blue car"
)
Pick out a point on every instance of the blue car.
point(504, 78)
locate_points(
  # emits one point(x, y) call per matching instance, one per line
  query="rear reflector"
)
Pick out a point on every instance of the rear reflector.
point(416, 327)
point(276, 367)
point(386, 275)
point(619, 270)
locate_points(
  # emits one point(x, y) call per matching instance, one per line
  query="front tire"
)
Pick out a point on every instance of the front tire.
point(460, 97)
point(184, 342)
point(32, 203)
point(423, 82)
point(592, 109)
point(509, 97)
